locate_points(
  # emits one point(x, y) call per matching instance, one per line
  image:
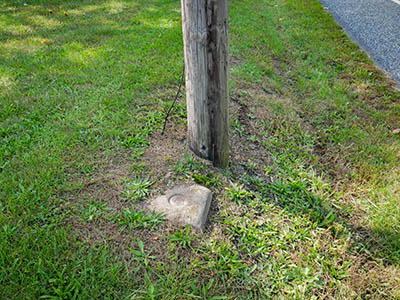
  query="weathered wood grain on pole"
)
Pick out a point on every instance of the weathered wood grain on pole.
point(194, 21)
point(205, 34)
point(217, 13)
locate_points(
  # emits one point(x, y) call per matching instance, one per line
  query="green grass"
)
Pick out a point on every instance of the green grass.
point(130, 218)
point(309, 207)
point(137, 190)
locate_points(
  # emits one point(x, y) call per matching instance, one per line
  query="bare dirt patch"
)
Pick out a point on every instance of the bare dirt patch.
point(164, 152)
point(108, 185)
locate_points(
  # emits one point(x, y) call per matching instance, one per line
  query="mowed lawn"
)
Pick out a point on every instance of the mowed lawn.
point(309, 207)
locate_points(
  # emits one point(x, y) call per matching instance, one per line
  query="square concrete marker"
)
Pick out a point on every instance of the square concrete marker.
point(185, 205)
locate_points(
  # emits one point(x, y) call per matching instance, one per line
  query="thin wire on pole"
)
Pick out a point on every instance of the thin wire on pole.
point(173, 103)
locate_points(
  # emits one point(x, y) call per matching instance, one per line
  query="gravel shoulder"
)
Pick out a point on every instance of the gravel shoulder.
point(375, 26)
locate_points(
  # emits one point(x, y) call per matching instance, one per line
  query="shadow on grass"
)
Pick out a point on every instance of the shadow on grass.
point(77, 81)
point(87, 21)
point(295, 198)
point(92, 51)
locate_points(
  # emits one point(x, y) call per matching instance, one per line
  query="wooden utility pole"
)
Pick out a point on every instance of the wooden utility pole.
point(205, 36)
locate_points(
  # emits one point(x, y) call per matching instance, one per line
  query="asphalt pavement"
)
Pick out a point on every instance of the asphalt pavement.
point(375, 26)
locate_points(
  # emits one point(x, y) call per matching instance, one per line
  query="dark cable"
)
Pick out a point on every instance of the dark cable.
point(176, 97)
